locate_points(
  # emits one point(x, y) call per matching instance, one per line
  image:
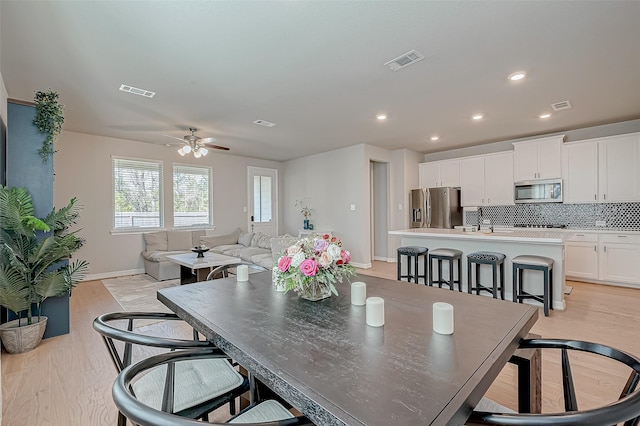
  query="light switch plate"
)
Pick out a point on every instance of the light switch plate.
point(353, 206)
point(601, 223)
point(400, 207)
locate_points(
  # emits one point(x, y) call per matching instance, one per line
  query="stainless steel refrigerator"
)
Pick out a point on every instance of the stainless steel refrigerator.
point(435, 208)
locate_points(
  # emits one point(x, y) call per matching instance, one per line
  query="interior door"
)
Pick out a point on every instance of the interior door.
point(263, 200)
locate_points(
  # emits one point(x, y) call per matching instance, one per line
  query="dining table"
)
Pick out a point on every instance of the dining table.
point(323, 358)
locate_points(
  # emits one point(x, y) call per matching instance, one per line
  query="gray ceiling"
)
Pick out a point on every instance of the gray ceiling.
point(316, 69)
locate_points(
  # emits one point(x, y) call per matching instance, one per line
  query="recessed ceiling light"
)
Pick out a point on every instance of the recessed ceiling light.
point(264, 123)
point(545, 115)
point(435, 138)
point(477, 116)
point(518, 75)
point(381, 116)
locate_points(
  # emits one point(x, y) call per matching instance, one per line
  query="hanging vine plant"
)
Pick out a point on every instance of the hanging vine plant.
point(48, 120)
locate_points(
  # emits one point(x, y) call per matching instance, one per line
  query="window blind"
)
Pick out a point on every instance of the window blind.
point(191, 196)
point(137, 194)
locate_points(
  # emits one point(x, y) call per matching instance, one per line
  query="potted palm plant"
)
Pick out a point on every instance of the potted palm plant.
point(33, 266)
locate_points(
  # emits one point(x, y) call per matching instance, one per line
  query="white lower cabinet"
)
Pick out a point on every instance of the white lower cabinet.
point(619, 258)
point(581, 256)
point(609, 258)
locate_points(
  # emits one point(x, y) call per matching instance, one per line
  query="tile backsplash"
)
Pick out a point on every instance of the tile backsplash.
point(616, 216)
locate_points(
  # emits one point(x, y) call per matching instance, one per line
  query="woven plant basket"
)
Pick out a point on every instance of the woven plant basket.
point(18, 337)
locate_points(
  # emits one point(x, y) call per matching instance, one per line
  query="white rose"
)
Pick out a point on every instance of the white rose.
point(334, 251)
point(297, 259)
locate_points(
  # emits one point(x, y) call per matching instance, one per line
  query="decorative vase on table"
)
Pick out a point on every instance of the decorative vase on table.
point(314, 290)
point(305, 224)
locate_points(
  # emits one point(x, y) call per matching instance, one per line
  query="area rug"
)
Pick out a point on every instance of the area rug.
point(138, 293)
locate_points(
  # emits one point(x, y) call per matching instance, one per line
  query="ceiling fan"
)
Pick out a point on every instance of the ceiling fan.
point(199, 146)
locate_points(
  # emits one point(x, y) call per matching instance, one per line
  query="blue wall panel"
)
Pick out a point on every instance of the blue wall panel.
point(26, 169)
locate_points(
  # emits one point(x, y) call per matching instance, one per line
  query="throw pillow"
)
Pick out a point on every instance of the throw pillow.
point(261, 240)
point(178, 240)
point(245, 239)
point(155, 241)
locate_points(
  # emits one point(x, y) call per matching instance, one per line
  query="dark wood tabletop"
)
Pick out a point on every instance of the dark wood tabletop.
point(324, 359)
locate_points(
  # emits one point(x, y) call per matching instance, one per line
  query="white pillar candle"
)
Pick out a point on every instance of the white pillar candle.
point(375, 311)
point(242, 273)
point(358, 293)
point(442, 318)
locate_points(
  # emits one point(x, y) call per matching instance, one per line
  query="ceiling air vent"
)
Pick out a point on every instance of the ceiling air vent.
point(136, 91)
point(405, 60)
point(264, 123)
point(559, 106)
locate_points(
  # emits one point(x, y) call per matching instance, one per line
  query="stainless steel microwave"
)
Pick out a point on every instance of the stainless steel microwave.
point(538, 191)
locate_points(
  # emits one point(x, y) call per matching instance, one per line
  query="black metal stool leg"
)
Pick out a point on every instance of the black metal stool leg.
point(514, 287)
point(469, 282)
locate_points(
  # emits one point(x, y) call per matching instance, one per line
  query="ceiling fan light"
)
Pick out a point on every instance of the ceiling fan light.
point(186, 149)
point(203, 151)
point(197, 154)
point(181, 152)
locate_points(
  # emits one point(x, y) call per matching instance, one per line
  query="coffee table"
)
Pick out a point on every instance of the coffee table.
point(195, 269)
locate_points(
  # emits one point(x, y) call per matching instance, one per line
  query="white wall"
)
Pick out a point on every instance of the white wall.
point(330, 182)
point(83, 170)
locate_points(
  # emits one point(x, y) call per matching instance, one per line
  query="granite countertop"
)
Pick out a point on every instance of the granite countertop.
point(500, 234)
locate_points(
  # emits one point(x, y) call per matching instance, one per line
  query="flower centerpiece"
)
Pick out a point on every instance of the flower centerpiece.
point(312, 266)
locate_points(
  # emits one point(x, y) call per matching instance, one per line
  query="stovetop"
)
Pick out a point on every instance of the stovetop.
point(525, 225)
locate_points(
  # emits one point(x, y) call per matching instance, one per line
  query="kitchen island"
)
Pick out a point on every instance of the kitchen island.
point(510, 242)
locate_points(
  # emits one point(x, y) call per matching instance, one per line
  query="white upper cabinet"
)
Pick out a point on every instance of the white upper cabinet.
point(439, 173)
point(498, 178)
point(537, 159)
point(605, 170)
point(580, 172)
point(487, 180)
point(472, 181)
point(619, 168)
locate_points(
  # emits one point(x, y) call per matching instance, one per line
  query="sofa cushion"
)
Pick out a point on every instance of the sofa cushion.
point(155, 241)
point(265, 260)
point(245, 239)
point(195, 237)
point(261, 240)
point(212, 241)
point(226, 247)
point(160, 256)
point(179, 240)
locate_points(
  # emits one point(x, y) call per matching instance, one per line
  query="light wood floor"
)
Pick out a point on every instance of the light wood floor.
point(67, 379)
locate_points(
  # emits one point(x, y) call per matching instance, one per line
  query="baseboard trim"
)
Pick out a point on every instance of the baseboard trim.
point(361, 265)
point(385, 259)
point(114, 274)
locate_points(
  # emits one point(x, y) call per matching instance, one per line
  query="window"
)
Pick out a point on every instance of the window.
point(137, 194)
point(262, 198)
point(191, 196)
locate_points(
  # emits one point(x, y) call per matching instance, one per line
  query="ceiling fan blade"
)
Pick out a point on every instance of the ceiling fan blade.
point(173, 137)
point(206, 140)
point(210, 145)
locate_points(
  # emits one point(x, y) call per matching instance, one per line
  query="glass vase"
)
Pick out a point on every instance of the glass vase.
point(314, 291)
point(305, 224)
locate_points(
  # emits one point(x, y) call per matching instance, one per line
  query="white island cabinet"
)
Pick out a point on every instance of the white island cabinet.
point(511, 243)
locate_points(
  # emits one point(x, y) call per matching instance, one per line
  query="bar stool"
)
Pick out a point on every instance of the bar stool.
point(412, 253)
point(450, 255)
point(536, 263)
point(486, 258)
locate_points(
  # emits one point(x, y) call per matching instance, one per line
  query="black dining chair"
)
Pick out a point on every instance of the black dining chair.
point(129, 403)
point(200, 387)
point(626, 409)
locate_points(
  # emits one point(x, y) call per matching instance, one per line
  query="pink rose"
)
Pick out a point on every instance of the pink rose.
point(283, 263)
point(325, 259)
point(345, 255)
point(309, 267)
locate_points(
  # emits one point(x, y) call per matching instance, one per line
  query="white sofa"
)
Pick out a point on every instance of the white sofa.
point(250, 247)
